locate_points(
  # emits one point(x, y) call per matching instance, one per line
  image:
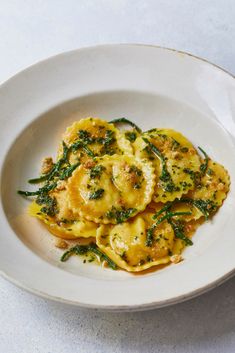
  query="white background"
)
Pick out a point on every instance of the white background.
point(33, 30)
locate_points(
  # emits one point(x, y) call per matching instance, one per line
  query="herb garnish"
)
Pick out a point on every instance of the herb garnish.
point(98, 194)
point(96, 171)
point(80, 144)
point(45, 189)
point(125, 121)
point(163, 209)
point(167, 216)
point(107, 141)
point(121, 215)
point(55, 172)
point(175, 144)
point(50, 203)
point(131, 136)
point(84, 250)
point(204, 166)
point(135, 170)
point(165, 176)
point(179, 231)
point(194, 176)
point(205, 206)
point(85, 137)
point(66, 173)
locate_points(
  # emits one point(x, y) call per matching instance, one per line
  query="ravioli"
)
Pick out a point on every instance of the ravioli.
point(209, 194)
point(125, 243)
point(112, 189)
point(174, 157)
point(93, 137)
point(65, 229)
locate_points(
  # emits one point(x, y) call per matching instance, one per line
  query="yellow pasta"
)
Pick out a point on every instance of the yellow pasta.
point(176, 159)
point(112, 189)
point(65, 229)
point(125, 243)
point(94, 135)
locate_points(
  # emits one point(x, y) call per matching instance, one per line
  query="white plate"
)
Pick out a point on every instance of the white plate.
point(153, 86)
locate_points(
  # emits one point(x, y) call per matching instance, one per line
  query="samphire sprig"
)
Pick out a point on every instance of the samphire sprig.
point(126, 121)
point(167, 216)
point(86, 249)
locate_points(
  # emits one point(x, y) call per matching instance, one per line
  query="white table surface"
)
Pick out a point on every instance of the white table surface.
point(32, 30)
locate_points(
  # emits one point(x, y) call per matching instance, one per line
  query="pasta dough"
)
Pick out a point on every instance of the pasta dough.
point(174, 159)
point(94, 135)
point(111, 189)
point(125, 243)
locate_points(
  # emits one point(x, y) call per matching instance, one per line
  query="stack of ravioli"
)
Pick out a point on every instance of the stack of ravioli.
point(137, 196)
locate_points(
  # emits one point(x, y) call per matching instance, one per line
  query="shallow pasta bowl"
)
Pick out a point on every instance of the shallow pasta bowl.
point(155, 87)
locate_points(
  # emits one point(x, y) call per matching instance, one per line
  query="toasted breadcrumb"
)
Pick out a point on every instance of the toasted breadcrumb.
point(176, 258)
point(47, 164)
point(61, 244)
point(61, 185)
point(89, 164)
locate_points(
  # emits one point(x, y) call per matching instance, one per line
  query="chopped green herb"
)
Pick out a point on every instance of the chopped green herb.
point(178, 231)
point(85, 137)
point(204, 166)
point(120, 215)
point(165, 176)
point(195, 176)
point(88, 151)
point(80, 144)
point(96, 171)
point(205, 206)
point(131, 136)
point(175, 144)
point(184, 149)
point(107, 141)
point(98, 194)
point(50, 204)
point(167, 216)
point(163, 209)
point(210, 171)
point(135, 170)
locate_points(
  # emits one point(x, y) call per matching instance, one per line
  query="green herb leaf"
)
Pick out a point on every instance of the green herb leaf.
point(163, 209)
point(120, 215)
point(68, 171)
point(44, 189)
point(39, 179)
point(50, 204)
point(85, 137)
point(131, 136)
point(204, 166)
point(125, 121)
point(96, 171)
point(165, 176)
point(178, 231)
point(167, 216)
point(85, 249)
point(205, 206)
point(98, 194)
